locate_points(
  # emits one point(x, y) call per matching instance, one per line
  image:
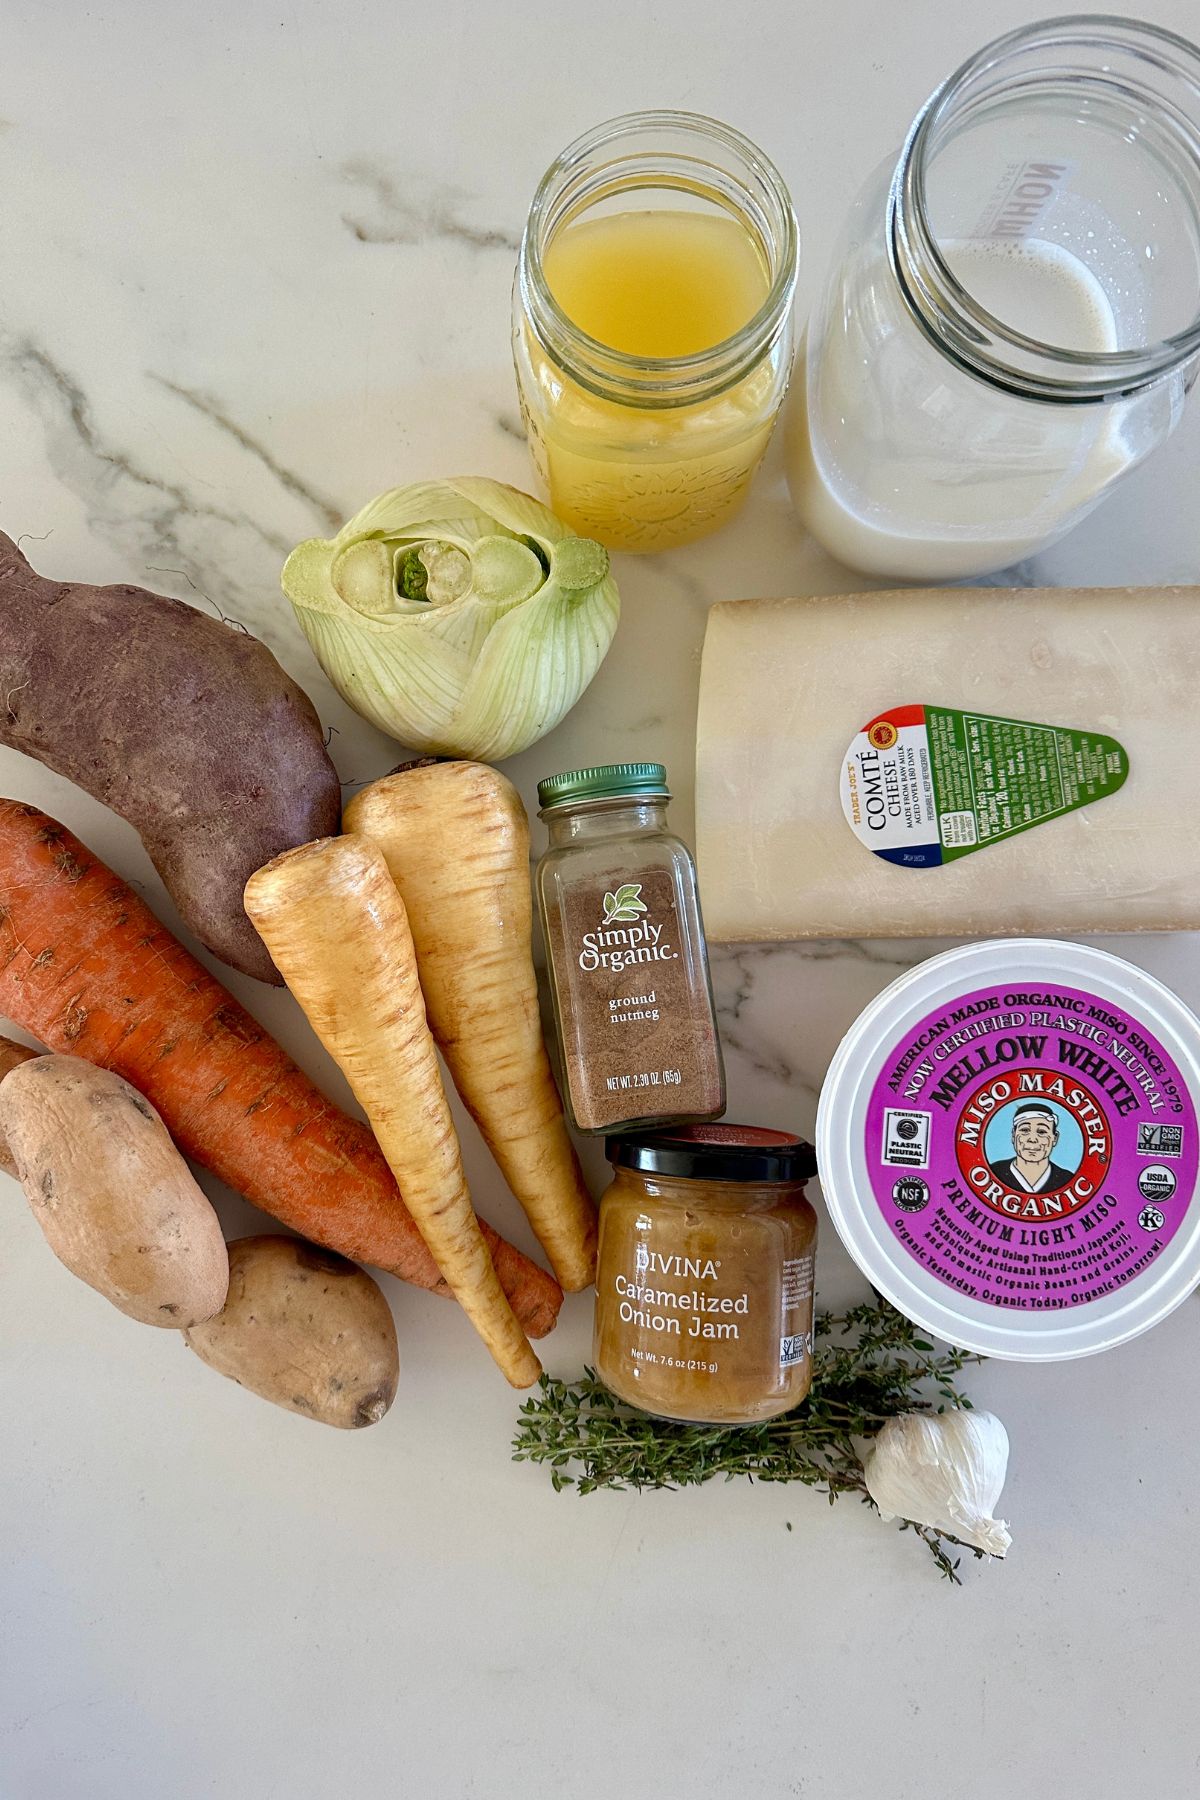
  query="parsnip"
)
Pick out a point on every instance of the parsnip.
point(331, 917)
point(87, 969)
point(456, 839)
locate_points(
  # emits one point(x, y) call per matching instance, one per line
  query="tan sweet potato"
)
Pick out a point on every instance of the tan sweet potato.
point(11, 1055)
point(304, 1329)
point(185, 726)
point(116, 1201)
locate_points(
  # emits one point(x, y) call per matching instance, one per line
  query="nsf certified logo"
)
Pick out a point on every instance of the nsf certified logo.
point(911, 1194)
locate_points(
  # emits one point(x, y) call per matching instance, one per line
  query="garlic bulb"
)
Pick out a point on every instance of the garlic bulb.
point(945, 1470)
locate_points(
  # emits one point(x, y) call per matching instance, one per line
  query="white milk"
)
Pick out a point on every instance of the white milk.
point(900, 464)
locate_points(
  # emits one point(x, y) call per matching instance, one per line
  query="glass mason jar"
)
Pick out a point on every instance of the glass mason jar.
point(646, 452)
point(1011, 322)
point(625, 947)
point(705, 1273)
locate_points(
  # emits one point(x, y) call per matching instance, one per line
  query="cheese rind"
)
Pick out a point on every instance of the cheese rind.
point(787, 684)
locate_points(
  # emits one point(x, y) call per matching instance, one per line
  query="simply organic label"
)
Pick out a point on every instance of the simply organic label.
point(638, 1040)
point(924, 785)
point(626, 934)
point(1034, 1148)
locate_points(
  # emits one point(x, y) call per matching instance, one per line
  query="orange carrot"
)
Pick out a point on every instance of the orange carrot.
point(86, 968)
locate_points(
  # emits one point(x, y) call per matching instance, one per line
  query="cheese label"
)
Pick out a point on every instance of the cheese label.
point(924, 785)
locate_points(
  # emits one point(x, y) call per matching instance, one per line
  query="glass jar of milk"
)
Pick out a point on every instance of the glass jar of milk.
point(1011, 322)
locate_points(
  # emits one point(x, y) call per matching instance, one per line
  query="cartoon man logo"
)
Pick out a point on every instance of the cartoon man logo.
point(1031, 1166)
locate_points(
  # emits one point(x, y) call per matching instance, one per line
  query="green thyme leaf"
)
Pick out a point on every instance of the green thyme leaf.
point(869, 1364)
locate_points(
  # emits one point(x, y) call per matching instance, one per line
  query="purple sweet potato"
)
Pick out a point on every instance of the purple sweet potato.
point(186, 727)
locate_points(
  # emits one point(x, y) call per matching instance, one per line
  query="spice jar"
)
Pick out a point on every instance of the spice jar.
point(704, 1287)
point(652, 326)
point(625, 945)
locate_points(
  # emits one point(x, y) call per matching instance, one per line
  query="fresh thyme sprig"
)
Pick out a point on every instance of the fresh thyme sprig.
point(869, 1364)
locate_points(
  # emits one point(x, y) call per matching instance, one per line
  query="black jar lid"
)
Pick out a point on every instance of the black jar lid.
point(715, 1153)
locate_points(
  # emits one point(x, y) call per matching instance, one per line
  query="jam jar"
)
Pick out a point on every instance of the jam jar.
point(704, 1290)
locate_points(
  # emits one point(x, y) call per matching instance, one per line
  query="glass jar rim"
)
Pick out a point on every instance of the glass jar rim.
point(723, 1152)
point(652, 378)
point(1070, 376)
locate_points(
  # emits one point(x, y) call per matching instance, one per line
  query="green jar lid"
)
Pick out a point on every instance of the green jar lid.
point(611, 781)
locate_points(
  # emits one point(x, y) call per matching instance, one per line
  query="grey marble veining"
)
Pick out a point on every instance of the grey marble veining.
point(255, 268)
point(328, 511)
point(403, 209)
point(134, 506)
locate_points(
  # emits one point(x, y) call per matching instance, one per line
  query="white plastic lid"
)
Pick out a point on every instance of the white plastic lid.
point(919, 1161)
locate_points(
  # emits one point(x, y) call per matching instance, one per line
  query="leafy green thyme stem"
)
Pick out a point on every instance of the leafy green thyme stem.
point(869, 1366)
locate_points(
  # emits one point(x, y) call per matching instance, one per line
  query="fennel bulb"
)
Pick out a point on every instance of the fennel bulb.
point(460, 616)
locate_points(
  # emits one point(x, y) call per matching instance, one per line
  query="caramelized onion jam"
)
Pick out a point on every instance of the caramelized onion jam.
point(704, 1292)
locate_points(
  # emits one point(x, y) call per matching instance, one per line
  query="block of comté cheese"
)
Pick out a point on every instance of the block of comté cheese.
point(950, 762)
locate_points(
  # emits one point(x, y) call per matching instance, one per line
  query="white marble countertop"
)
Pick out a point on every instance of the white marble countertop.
point(254, 267)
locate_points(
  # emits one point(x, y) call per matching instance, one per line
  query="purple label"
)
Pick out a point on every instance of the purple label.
point(1033, 1148)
